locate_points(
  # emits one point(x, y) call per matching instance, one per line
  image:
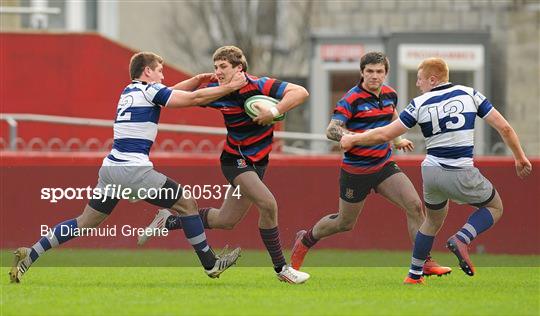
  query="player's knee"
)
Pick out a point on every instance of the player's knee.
point(229, 224)
point(345, 225)
point(434, 222)
point(268, 206)
point(496, 212)
point(84, 221)
point(414, 208)
point(90, 218)
point(495, 207)
point(186, 206)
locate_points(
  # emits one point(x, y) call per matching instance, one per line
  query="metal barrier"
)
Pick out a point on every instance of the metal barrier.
point(75, 144)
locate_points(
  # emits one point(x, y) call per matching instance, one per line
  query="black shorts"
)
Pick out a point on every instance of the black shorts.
point(232, 166)
point(107, 205)
point(354, 188)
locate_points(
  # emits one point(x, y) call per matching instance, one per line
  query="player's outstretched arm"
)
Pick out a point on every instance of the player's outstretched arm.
point(375, 136)
point(399, 142)
point(194, 82)
point(336, 129)
point(510, 138)
point(181, 98)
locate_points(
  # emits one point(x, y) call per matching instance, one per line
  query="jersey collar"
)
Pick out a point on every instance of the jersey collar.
point(443, 86)
point(139, 81)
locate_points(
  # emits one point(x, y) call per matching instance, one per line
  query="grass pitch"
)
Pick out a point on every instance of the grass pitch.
point(504, 285)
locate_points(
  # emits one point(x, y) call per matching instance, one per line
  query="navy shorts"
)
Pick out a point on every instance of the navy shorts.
point(232, 166)
point(354, 188)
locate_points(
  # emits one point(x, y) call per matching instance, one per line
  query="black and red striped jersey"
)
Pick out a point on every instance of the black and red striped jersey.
point(245, 137)
point(361, 110)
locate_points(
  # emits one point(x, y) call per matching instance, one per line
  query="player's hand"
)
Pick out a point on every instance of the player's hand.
point(523, 167)
point(405, 145)
point(347, 142)
point(265, 117)
point(238, 81)
point(206, 78)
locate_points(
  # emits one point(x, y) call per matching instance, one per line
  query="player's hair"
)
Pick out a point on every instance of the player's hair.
point(142, 60)
point(436, 67)
point(374, 58)
point(232, 54)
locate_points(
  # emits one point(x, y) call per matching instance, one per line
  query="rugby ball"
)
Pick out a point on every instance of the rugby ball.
point(264, 101)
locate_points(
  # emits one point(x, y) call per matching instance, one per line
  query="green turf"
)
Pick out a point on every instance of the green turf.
point(251, 258)
point(495, 290)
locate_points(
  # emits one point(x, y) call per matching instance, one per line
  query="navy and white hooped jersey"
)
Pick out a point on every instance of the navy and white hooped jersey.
point(136, 123)
point(446, 116)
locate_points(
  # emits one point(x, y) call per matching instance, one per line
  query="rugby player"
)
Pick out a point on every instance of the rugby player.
point(369, 104)
point(128, 164)
point(245, 156)
point(446, 114)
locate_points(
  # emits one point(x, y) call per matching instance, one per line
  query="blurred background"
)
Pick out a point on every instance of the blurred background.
point(492, 45)
point(64, 64)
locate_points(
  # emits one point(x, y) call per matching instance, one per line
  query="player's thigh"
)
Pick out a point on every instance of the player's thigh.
point(349, 211)
point(104, 205)
point(169, 193)
point(399, 190)
point(255, 190)
point(466, 186)
point(435, 196)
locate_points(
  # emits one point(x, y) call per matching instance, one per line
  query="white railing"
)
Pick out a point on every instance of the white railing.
point(296, 140)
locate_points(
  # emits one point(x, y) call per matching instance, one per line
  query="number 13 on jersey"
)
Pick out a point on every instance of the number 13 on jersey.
point(449, 115)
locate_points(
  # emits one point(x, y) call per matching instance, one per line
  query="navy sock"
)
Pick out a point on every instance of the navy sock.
point(270, 239)
point(173, 222)
point(422, 248)
point(478, 222)
point(194, 231)
point(61, 233)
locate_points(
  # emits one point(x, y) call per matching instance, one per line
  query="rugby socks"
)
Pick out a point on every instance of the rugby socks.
point(203, 213)
point(478, 222)
point(173, 222)
point(60, 234)
point(270, 238)
point(194, 231)
point(422, 247)
point(309, 240)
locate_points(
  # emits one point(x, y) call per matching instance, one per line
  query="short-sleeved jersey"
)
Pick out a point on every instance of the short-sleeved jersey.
point(446, 117)
point(245, 137)
point(136, 124)
point(361, 110)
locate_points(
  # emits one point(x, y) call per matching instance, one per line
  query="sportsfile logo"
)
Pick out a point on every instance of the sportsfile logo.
point(206, 192)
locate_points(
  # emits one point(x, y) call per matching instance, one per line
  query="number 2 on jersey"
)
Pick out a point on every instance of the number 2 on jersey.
point(123, 105)
point(453, 109)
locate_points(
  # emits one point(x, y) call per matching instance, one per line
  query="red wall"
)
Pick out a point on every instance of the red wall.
point(305, 188)
point(80, 75)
